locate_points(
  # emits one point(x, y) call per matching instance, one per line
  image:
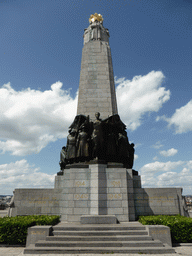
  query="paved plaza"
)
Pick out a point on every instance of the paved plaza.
point(182, 249)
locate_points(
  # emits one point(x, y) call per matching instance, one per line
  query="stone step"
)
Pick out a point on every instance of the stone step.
point(101, 250)
point(99, 238)
point(97, 228)
point(100, 233)
point(96, 244)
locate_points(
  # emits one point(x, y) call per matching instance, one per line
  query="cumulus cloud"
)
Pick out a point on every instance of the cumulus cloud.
point(168, 174)
point(169, 152)
point(21, 174)
point(160, 166)
point(30, 119)
point(157, 145)
point(142, 95)
point(181, 119)
point(183, 178)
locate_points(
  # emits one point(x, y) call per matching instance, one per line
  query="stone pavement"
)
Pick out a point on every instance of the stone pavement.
point(181, 250)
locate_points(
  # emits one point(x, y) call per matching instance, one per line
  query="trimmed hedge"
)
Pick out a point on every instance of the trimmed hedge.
point(13, 230)
point(180, 226)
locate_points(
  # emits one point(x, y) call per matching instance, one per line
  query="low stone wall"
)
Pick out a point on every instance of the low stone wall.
point(157, 201)
point(35, 201)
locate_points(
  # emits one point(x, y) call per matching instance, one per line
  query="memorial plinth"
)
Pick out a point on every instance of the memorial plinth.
point(96, 179)
point(97, 190)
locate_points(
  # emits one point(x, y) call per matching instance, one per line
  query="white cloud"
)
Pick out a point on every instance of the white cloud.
point(168, 174)
point(157, 145)
point(189, 164)
point(160, 166)
point(181, 119)
point(169, 152)
point(22, 175)
point(173, 178)
point(30, 119)
point(142, 95)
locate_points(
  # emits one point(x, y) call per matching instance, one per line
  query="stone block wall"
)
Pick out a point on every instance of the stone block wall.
point(157, 201)
point(35, 201)
point(94, 191)
point(98, 190)
point(96, 86)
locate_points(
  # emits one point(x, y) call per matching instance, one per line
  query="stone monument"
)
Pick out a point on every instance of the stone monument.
point(96, 87)
point(92, 139)
point(96, 182)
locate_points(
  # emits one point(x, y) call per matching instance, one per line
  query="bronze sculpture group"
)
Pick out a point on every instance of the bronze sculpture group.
point(101, 140)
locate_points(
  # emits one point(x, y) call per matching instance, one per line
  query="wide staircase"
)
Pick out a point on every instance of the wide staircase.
point(127, 238)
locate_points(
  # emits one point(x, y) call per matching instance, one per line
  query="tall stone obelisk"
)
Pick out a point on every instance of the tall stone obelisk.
point(96, 87)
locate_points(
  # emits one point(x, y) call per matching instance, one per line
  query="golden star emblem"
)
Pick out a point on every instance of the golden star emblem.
point(95, 17)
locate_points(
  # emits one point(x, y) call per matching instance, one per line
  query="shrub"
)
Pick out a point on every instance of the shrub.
point(180, 226)
point(13, 230)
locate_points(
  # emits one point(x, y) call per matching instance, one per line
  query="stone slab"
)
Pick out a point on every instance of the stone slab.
point(160, 232)
point(98, 219)
point(37, 233)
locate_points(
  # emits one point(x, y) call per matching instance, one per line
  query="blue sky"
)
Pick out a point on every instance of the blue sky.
point(40, 47)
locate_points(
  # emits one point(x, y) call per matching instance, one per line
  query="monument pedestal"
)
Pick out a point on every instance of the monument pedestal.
point(96, 190)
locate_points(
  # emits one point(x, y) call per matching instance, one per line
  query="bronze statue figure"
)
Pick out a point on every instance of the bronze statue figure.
point(104, 140)
point(97, 137)
point(71, 146)
point(111, 140)
point(83, 145)
point(123, 148)
point(63, 158)
point(131, 155)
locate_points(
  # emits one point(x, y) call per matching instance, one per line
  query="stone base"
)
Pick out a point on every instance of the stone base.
point(75, 166)
point(86, 165)
point(98, 219)
point(98, 190)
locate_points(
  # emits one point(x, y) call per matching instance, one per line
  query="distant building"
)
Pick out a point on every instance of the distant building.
point(4, 200)
point(188, 200)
